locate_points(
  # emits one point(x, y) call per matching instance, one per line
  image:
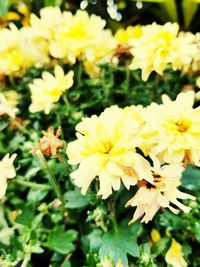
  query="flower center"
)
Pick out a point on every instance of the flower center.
point(182, 125)
point(107, 147)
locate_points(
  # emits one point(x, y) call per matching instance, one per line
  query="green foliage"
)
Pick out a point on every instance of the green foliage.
point(116, 244)
point(61, 240)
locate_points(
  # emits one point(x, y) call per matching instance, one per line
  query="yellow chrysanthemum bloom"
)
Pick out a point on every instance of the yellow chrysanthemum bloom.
point(174, 255)
point(105, 147)
point(7, 171)
point(50, 19)
point(184, 52)
point(125, 35)
point(10, 51)
point(82, 37)
point(34, 47)
point(7, 107)
point(46, 91)
point(162, 192)
point(152, 51)
point(12, 98)
point(174, 133)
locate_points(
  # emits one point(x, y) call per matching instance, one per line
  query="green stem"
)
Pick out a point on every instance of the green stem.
point(26, 260)
point(114, 224)
point(62, 160)
point(11, 80)
point(31, 184)
point(52, 178)
point(79, 74)
point(22, 128)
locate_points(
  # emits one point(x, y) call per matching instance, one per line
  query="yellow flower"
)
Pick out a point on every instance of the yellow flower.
point(50, 19)
point(174, 255)
point(10, 52)
point(152, 51)
point(7, 171)
point(46, 91)
point(155, 235)
point(162, 192)
point(81, 36)
point(12, 98)
point(91, 69)
point(6, 107)
point(125, 35)
point(105, 147)
point(34, 46)
point(184, 52)
point(174, 133)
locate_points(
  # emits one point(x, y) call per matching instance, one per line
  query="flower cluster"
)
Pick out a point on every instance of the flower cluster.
point(69, 38)
point(109, 147)
point(61, 35)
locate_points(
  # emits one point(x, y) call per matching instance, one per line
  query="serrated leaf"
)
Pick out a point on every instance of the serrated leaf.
point(116, 246)
point(76, 200)
point(61, 241)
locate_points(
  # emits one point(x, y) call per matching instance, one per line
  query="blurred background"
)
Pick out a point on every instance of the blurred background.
point(118, 13)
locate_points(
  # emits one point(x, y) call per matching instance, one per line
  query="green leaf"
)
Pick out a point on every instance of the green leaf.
point(191, 179)
point(61, 240)
point(76, 200)
point(35, 195)
point(160, 246)
point(95, 239)
point(191, 6)
point(27, 216)
point(170, 221)
point(116, 245)
point(168, 5)
point(197, 230)
point(170, 8)
point(53, 2)
point(4, 5)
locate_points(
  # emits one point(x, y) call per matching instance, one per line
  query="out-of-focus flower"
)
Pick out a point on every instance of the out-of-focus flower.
point(50, 142)
point(174, 134)
point(125, 35)
point(34, 47)
point(7, 171)
point(184, 52)
point(82, 37)
point(92, 69)
point(12, 97)
point(151, 52)
point(160, 45)
point(46, 91)
point(174, 255)
point(10, 53)
point(105, 147)
point(155, 235)
point(6, 107)
point(10, 16)
point(163, 192)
